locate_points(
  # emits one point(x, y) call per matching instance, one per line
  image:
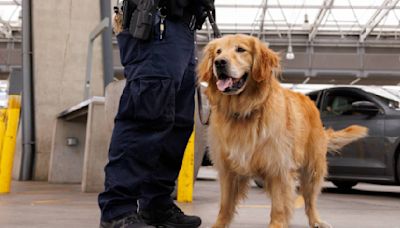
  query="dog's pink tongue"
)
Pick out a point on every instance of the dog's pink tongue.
point(223, 84)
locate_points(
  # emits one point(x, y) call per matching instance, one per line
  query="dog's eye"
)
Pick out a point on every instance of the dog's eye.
point(219, 51)
point(240, 49)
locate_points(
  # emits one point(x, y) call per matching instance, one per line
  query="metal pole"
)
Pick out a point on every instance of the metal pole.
point(28, 137)
point(105, 11)
point(262, 19)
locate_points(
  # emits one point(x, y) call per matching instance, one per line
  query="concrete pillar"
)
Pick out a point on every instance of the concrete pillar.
point(60, 38)
point(66, 162)
point(83, 158)
point(96, 149)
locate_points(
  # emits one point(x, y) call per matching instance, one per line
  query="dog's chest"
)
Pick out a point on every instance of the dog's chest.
point(240, 157)
point(241, 147)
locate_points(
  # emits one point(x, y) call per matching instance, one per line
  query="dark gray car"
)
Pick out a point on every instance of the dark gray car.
point(374, 159)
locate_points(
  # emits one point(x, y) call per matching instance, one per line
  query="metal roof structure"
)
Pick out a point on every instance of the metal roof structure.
point(9, 17)
point(368, 20)
point(321, 41)
point(365, 19)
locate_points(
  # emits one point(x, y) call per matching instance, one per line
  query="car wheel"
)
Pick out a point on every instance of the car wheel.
point(259, 182)
point(344, 185)
point(206, 159)
point(398, 168)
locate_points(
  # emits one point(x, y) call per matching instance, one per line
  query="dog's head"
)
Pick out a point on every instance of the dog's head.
point(235, 63)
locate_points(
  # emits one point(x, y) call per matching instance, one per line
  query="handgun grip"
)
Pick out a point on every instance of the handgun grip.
point(128, 6)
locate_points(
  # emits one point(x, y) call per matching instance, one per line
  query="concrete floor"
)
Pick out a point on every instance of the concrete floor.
point(43, 205)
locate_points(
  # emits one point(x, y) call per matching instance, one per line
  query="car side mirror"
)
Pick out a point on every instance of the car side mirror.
point(366, 107)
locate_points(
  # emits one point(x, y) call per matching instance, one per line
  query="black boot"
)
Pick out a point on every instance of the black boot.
point(171, 217)
point(132, 220)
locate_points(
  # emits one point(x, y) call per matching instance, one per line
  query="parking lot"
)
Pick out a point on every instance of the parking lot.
point(43, 205)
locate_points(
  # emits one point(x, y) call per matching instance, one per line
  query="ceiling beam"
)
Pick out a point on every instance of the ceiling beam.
point(298, 26)
point(262, 18)
point(324, 39)
point(292, 6)
point(321, 15)
point(377, 17)
point(10, 3)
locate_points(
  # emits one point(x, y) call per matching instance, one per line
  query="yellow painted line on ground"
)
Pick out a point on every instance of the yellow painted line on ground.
point(40, 192)
point(7, 203)
point(50, 202)
point(254, 206)
point(299, 203)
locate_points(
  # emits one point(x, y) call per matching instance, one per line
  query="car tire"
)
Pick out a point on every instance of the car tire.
point(398, 168)
point(206, 159)
point(344, 185)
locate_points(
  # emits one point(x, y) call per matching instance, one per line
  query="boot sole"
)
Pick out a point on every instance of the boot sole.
point(171, 225)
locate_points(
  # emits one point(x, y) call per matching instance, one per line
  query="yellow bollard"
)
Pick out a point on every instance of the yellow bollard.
point(3, 119)
point(8, 150)
point(186, 175)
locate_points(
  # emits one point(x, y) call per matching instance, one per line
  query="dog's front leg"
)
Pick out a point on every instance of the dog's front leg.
point(233, 189)
point(282, 191)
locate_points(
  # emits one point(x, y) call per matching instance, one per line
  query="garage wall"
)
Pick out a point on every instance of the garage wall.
point(60, 37)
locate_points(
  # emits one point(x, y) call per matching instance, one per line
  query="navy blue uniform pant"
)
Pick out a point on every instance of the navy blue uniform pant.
point(154, 121)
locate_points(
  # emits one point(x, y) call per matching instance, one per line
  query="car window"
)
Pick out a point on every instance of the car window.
point(314, 96)
point(390, 103)
point(339, 103)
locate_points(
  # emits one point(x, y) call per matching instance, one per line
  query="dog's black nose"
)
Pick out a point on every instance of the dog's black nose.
point(220, 63)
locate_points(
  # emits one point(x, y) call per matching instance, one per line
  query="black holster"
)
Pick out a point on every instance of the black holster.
point(128, 6)
point(138, 17)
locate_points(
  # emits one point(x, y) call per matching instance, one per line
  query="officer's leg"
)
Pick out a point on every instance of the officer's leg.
point(119, 196)
point(157, 190)
point(156, 205)
point(140, 125)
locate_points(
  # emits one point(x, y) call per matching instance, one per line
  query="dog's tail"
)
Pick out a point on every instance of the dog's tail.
point(338, 139)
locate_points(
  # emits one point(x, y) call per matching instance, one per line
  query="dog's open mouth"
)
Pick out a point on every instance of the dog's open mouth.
point(231, 85)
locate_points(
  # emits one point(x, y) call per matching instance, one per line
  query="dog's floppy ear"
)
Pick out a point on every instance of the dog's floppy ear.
point(205, 66)
point(265, 61)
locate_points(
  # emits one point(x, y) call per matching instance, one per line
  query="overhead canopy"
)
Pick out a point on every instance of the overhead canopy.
point(377, 18)
point(9, 17)
point(339, 17)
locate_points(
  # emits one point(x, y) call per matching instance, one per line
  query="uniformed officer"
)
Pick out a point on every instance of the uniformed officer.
point(155, 116)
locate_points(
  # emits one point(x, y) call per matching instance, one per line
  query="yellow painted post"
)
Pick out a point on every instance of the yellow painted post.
point(186, 175)
point(8, 150)
point(3, 119)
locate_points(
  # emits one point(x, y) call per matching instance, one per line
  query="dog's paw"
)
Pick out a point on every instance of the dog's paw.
point(321, 224)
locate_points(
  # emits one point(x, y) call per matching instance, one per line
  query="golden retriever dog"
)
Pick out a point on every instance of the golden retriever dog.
point(259, 129)
point(117, 22)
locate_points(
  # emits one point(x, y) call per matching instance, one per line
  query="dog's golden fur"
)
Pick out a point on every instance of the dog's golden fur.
point(117, 22)
point(265, 131)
